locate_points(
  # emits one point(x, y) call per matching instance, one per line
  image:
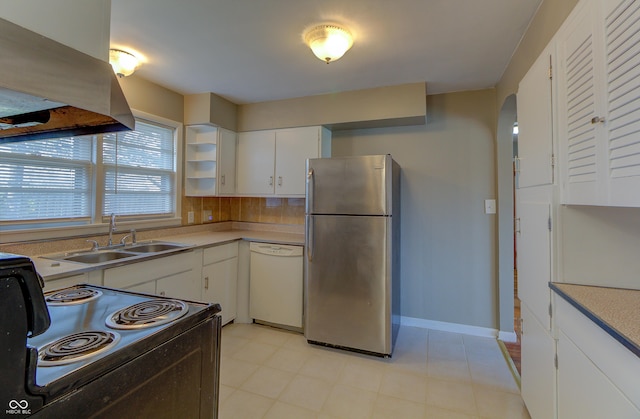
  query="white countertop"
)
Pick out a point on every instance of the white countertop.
point(54, 269)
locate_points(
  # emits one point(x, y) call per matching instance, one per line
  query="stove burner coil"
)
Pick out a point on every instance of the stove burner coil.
point(72, 296)
point(147, 314)
point(76, 347)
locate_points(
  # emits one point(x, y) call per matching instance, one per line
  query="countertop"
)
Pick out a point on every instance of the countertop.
point(615, 310)
point(53, 269)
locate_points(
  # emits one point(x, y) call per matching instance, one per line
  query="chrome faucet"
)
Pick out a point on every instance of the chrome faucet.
point(112, 228)
point(131, 234)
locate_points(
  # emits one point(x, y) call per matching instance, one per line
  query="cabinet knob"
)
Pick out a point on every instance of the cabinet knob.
point(163, 293)
point(597, 119)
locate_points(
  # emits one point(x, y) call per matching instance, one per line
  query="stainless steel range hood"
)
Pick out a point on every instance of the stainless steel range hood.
point(49, 90)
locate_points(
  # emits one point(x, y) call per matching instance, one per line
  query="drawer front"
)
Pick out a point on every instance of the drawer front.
point(136, 273)
point(219, 253)
point(66, 282)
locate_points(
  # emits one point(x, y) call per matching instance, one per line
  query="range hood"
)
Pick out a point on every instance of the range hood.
point(49, 90)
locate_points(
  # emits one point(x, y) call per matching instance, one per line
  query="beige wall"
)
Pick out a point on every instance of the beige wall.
point(54, 20)
point(382, 106)
point(145, 96)
point(448, 267)
point(548, 19)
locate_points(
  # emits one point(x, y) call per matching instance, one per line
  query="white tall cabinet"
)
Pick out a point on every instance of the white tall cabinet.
point(535, 198)
point(272, 162)
point(588, 115)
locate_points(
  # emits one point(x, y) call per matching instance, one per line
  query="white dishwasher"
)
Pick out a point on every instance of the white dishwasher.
point(275, 284)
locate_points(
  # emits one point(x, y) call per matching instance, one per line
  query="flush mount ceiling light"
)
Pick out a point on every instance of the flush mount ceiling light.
point(124, 63)
point(328, 42)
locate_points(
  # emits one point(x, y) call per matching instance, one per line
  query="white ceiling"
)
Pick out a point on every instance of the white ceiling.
point(252, 50)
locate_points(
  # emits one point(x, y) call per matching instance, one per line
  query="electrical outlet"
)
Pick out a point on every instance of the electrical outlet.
point(190, 217)
point(207, 216)
point(489, 206)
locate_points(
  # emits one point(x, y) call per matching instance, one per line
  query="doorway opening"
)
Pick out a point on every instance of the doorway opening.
point(509, 305)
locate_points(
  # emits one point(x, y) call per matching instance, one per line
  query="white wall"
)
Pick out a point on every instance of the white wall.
point(448, 244)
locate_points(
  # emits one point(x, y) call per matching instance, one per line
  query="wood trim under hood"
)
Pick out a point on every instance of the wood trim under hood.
point(40, 76)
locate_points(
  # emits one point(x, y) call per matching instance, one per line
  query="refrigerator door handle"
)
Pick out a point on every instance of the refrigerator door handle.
point(309, 190)
point(309, 238)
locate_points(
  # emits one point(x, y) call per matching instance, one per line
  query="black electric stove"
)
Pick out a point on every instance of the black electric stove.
point(92, 351)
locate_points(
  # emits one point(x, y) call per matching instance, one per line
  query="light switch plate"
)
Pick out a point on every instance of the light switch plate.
point(190, 218)
point(489, 206)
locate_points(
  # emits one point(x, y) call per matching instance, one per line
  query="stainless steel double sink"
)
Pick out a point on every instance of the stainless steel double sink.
point(125, 252)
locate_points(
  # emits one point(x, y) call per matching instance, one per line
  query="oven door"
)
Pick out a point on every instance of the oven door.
point(162, 383)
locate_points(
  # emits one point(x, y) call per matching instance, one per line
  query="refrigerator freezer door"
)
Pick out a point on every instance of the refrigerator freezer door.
point(348, 282)
point(349, 185)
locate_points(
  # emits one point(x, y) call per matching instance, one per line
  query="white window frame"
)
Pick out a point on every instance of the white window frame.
point(99, 226)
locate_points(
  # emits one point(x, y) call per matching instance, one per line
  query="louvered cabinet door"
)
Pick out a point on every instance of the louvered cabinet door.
point(622, 67)
point(581, 108)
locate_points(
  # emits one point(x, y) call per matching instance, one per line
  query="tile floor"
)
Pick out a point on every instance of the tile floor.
point(270, 373)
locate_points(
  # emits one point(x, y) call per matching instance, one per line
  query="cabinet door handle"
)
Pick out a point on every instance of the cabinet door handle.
point(222, 179)
point(206, 282)
point(163, 293)
point(597, 120)
point(279, 180)
point(270, 180)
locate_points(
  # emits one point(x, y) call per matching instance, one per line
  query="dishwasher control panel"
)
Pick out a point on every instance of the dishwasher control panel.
point(276, 250)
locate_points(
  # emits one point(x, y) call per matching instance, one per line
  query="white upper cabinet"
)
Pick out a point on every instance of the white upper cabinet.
point(535, 124)
point(622, 43)
point(210, 158)
point(272, 163)
point(256, 162)
point(599, 103)
point(578, 104)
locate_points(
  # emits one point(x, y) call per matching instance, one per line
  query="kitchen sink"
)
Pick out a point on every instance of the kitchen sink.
point(98, 257)
point(154, 247)
point(121, 252)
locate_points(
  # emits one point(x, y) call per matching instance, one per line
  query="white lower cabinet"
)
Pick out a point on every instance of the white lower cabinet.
point(538, 372)
point(93, 277)
point(154, 276)
point(220, 278)
point(584, 391)
point(597, 376)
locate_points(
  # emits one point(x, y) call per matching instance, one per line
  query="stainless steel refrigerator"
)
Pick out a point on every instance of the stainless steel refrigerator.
point(352, 269)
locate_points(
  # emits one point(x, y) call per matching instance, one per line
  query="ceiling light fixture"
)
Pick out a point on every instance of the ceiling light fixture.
point(328, 42)
point(124, 63)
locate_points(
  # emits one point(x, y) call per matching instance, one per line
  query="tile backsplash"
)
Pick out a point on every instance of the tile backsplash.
point(258, 210)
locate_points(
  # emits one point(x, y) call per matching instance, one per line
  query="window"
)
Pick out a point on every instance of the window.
point(79, 180)
point(46, 181)
point(140, 171)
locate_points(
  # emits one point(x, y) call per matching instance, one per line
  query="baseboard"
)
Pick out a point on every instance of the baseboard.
point(449, 327)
